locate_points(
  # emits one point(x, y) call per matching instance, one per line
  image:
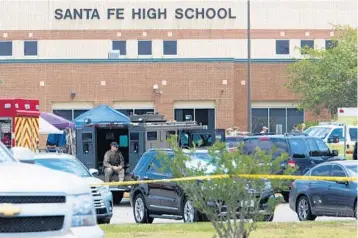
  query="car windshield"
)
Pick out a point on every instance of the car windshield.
point(71, 166)
point(320, 132)
point(5, 154)
point(353, 170)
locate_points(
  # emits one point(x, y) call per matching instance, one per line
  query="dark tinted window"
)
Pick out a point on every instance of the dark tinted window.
point(120, 45)
point(294, 116)
point(353, 134)
point(158, 165)
point(266, 144)
point(277, 117)
point(30, 48)
point(67, 114)
point(322, 147)
point(127, 112)
point(307, 44)
point(259, 119)
point(330, 44)
point(170, 47)
point(77, 113)
point(337, 171)
point(312, 145)
point(6, 48)
point(152, 135)
point(298, 147)
point(322, 171)
point(145, 47)
point(142, 111)
point(282, 47)
point(233, 141)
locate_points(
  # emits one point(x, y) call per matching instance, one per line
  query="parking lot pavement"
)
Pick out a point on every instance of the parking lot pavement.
point(123, 214)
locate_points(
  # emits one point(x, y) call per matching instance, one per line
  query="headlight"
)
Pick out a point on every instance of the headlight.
point(82, 211)
point(104, 189)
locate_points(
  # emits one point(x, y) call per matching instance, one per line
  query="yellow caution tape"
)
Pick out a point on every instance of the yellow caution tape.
point(223, 176)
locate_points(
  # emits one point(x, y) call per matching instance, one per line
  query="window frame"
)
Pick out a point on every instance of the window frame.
point(350, 134)
point(280, 47)
point(151, 48)
point(72, 111)
point(339, 166)
point(327, 44)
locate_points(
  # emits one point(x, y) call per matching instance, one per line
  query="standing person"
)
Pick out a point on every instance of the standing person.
point(295, 128)
point(113, 162)
point(303, 127)
point(264, 130)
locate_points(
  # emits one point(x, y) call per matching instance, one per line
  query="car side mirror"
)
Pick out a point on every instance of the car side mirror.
point(335, 152)
point(94, 172)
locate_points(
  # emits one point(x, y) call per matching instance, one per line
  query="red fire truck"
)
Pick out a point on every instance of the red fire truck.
point(19, 123)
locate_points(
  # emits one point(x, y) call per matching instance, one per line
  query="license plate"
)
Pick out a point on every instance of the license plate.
point(250, 203)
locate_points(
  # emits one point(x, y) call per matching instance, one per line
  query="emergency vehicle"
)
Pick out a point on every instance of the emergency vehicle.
point(19, 123)
point(340, 135)
point(145, 132)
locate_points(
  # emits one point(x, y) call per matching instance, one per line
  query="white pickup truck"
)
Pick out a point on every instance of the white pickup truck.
point(39, 202)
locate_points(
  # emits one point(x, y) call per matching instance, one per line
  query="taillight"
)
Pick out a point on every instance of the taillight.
point(291, 163)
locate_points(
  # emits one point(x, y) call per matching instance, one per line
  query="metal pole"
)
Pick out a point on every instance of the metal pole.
point(249, 67)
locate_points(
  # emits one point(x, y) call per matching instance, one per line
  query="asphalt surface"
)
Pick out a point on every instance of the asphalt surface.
point(123, 214)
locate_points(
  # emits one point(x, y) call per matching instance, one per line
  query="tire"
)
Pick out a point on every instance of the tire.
point(104, 221)
point(140, 211)
point(190, 214)
point(117, 197)
point(303, 209)
point(286, 196)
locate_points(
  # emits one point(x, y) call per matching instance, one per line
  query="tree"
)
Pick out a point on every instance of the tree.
point(229, 193)
point(327, 78)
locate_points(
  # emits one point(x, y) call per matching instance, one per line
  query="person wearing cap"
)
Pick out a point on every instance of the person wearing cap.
point(113, 162)
point(264, 130)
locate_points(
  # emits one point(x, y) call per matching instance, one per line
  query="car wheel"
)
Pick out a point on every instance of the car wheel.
point(303, 210)
point(190, 214)
point(103, 221)
point(140, 211)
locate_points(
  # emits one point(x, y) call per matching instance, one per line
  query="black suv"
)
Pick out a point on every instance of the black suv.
point(167, 200)
point(304, 151)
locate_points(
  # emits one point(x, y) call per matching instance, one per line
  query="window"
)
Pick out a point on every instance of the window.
point(337, 171)
point(275, 145)
point(130, 112)
point(69, 114)
point(152, 135)
point(170, 47)
point(307, 43)
point(30, 48)
point(282, 47)
point(6, 48)
point(330, 44)
point(298, 147)
point(337, 132)
point(145, 47)
point(312, 146)
point(259, 119)
point(353, 134)
point(277, 117)
point(294, 116)
point(121, 46)
point(157, 166)
point(324, 170)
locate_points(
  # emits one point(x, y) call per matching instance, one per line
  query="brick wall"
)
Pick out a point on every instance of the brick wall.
point(134, 82)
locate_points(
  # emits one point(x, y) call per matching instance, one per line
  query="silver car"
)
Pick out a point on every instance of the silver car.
point(102, 196)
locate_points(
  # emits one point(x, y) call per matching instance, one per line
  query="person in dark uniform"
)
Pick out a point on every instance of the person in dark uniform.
point(355, 151)
point(113, 163)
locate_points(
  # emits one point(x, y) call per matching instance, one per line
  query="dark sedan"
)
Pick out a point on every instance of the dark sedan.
point(309, 198)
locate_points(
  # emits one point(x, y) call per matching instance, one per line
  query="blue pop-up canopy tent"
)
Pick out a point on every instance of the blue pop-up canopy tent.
point(102, 114)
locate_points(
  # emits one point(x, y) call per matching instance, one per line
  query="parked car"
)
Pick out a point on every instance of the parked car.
point(167, 200)
point(232, 142)
point(303, 151)
point(102, 196)
point(310, 199)
point(40, 202)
